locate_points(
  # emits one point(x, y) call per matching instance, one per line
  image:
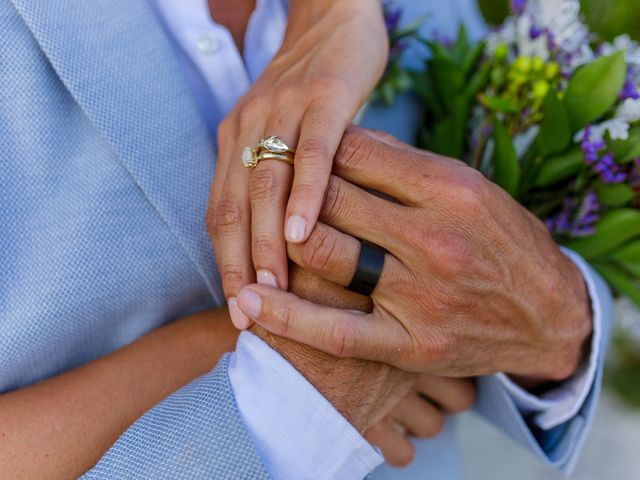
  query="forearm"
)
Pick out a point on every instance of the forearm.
point(61, 427)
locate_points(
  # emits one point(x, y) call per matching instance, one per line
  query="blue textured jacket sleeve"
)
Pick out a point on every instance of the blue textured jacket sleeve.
point(196, 433)
point(558, 447)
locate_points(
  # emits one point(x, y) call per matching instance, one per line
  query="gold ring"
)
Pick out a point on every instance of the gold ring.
point(274, 156)
point(269, 148)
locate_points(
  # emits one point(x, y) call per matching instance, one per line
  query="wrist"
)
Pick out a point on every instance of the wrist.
point(570, 321)
point(363, 392)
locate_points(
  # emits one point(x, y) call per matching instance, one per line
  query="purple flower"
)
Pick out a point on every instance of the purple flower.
point(609, 170)
point(535, 32)
point(590, 148)
point(629, 91)
point(605, 166)
point(576, 220)
point(392, 16)
point(518, 6)
point(551, 40)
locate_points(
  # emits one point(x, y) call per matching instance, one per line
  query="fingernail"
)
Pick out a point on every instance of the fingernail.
point(296, 226)
point(239, 319)
point(265, 277)
point(250, 303)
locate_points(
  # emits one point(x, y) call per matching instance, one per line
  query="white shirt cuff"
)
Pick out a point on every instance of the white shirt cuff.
point(297, 432)
point(562, 403)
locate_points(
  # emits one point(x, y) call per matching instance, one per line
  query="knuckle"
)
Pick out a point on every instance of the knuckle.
point(285, 315)
point(264, 248)
point(452, 252)
point(225, 215)
point(342, 340)
point(232, 279)
point(333, 198)
point(262, 183)
point(304, 191)
point(248, 112)
point(313, 152)
point(434, 426)
point(472, 190)
point(403, 457)
point(319, 250)
point(465, 399)
point(355, 148)
point(225, 131)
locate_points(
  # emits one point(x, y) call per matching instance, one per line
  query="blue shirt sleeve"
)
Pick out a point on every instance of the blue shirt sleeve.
point(556, 426)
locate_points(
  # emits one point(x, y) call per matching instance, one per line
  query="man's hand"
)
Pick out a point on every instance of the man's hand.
point(384, 403)
point(364, 392)
point(472, 283)
point(421, 414)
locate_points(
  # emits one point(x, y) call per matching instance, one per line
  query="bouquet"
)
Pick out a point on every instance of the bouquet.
point(552, 116)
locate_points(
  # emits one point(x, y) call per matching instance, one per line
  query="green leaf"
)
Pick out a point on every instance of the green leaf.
point(438, 51)
point(559, 168)
point(447, 79)
point(410, 29)
point(630, 253)
point(614, 195)
point(555, 130)
point(625, 151)
point(594, 89)
point(505, 160)
point(631, 268)
point(424, 87)
point(478, 81)
point(472, 57)
point(498, 104)
point(448, 137)
point(462, 44)
point(388, 93)
point(619, 280)
point(615, 229)
point(494, 11)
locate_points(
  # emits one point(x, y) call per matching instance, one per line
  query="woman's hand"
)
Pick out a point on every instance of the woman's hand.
point(333, 54)
point(421, 414)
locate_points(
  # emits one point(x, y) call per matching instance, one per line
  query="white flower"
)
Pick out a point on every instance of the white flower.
point(582, 57)
point(516, 31)
point(618, 129)
point(623, 43)
point(558, 19)
point(629, 110)
point(562, 19)
point(618, 126)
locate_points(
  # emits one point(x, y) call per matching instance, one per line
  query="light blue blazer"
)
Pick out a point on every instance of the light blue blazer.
point(105, 168)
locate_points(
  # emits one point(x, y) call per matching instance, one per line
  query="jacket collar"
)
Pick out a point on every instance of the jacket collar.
point(118, 64)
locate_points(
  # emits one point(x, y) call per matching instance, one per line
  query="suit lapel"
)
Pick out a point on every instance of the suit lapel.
point(116, 61)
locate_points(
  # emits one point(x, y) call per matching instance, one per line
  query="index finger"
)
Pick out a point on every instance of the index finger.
point(320, 134)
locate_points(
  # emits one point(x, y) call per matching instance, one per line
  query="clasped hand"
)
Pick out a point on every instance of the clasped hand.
point(472, 283)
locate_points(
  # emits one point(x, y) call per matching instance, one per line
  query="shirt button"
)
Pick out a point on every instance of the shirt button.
point(207, 44)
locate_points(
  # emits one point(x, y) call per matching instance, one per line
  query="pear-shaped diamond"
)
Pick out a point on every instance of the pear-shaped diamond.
point(275, 145)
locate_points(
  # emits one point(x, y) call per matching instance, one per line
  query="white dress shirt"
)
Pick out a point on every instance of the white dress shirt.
point(295, 429)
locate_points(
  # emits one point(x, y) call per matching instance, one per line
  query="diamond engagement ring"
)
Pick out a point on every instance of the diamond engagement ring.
point(269, 148)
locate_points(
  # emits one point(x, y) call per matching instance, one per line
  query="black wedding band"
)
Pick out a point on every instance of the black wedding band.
point(368, 270)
